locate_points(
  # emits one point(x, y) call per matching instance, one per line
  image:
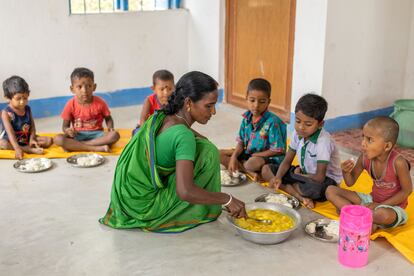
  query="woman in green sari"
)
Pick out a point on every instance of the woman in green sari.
point(167, 179)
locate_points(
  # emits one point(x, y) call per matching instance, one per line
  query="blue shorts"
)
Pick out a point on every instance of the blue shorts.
point(402, 216)
point(88, 135)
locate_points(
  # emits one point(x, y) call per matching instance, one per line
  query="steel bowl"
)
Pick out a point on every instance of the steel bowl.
point(266, 237)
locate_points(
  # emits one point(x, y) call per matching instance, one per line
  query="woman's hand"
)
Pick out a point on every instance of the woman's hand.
point(236, 208)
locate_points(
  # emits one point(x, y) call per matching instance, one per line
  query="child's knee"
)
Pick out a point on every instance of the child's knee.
point(254, 164)
point(331, 191)
point(384, 216)
point(114, 136)
point(266, 169)
point(59, 139)
point(48, 141)
point(267, 172)
point(5, 145)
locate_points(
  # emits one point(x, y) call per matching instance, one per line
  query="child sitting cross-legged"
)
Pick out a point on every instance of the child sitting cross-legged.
point(389, 171)
point(83, 116)
point(19, 132)
point(262, 134)
point(316, 152)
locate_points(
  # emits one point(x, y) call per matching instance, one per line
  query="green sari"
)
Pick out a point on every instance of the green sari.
point(144, 193)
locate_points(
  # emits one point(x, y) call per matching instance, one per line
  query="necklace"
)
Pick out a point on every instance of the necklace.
point(181, 117)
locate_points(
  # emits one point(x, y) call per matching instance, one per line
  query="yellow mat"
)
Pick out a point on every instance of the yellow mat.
point(57, 152)
point(402, 237)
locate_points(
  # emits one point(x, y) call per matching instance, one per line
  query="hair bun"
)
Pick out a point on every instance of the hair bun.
point(193, 85)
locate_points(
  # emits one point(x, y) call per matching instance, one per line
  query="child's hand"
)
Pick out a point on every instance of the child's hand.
point(33, 143)
point(275, 183)
point(70, 132)
point(18, 153)
point(233, 165)
point(297, 170)
point(347, 165)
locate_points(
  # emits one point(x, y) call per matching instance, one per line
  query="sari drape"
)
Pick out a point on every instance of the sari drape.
point(144, 194)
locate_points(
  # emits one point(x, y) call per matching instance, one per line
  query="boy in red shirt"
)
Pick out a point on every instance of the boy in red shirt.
point(83, 116)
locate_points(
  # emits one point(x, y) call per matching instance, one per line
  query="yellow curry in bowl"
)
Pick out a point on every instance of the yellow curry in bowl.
point(280, 222)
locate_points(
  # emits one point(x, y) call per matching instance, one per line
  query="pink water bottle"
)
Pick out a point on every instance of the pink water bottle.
point(355, 224)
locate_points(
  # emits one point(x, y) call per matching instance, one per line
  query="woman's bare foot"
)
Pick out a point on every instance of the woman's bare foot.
point(308, 202)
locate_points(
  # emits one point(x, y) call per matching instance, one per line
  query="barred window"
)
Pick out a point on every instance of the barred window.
point(111, 6)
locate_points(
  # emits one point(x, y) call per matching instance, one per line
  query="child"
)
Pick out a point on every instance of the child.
point(262, 135)
point(19, 131)
point(163, 87)
point(389, 170)
point(316, 151)
point(83, 116)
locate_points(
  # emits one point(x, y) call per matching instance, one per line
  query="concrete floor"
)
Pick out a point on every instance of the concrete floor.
point(50, 226)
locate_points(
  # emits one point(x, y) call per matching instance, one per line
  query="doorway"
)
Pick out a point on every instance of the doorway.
point(259, 43)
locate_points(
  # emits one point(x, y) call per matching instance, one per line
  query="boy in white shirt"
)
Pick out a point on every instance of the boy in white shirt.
point(319, 162)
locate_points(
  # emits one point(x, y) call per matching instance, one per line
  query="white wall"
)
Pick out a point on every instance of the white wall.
point(206, 30)
point(409, 75)
point(41, 42)
point(309, 48)
point(366, 54)
point(359, 55)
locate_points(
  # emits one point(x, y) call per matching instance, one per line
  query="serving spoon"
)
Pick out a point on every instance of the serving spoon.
point(264, 221)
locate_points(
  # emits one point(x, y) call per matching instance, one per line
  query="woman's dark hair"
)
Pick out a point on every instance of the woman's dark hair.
point(313, 106)
point(194, 85)
point(15, 85)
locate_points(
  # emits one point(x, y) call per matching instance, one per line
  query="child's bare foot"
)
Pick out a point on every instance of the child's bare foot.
point(374, 228)
point(104, 148)
point(308, 203)
point(255, 176)
point(35, 150)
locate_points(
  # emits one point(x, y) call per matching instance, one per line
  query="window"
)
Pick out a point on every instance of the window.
point(110, 6)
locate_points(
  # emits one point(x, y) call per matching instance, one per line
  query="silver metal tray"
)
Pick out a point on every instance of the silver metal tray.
point(33, 165)
point(90, 160)
point(290, 199)
point(235, 181)
point(320, 233)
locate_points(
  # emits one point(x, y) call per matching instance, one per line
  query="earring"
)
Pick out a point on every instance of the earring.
point(188, 109)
